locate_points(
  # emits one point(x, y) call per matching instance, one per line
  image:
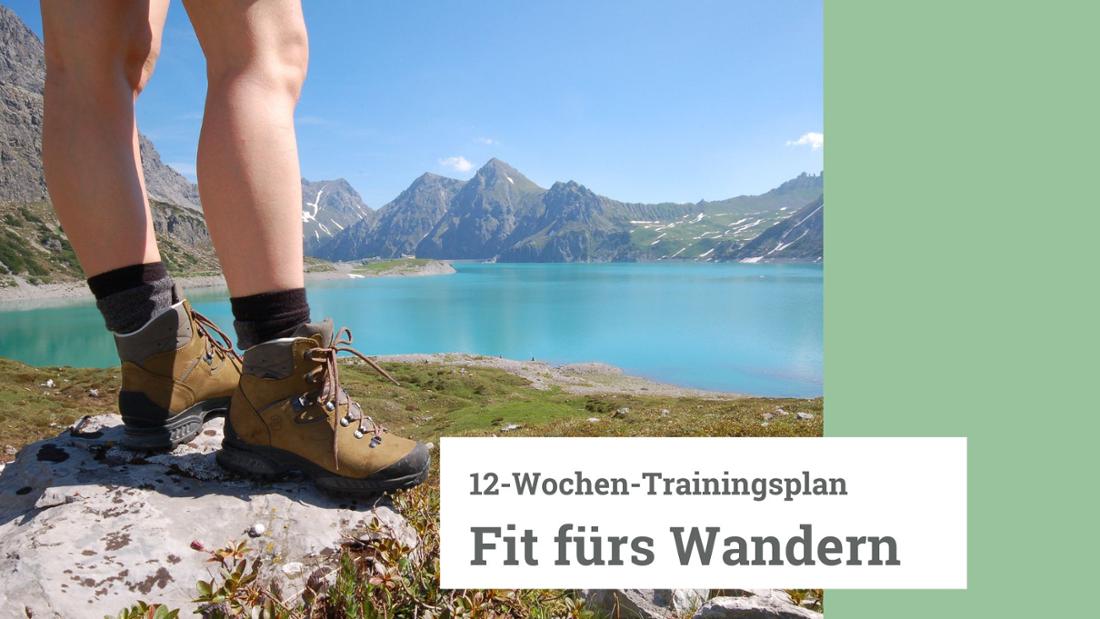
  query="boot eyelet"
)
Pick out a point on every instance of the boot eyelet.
point(329, 406)
point(359, 434)
point(344, 421)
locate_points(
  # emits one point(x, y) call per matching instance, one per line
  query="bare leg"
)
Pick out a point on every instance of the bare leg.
point(99, 55)
point(249, 180)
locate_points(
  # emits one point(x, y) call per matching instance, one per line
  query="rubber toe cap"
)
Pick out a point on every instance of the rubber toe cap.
point(414, 463)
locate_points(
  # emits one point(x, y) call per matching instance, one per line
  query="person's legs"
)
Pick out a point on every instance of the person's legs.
point(99, 56)
point(256, 53)
point(249, 181)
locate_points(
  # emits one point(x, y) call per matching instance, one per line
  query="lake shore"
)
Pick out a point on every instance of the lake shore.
point(24, 295)
point(590, 378)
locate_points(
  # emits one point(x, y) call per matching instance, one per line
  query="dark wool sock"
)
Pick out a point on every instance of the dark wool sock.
point(131, 296)
point(268, 315)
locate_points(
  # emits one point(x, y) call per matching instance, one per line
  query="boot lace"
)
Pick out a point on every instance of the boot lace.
point(331, 395)
point(208, 329)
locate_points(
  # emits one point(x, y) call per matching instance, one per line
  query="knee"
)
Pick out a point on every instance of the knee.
point(104, 66)
point(277, 64)
point(138, 65)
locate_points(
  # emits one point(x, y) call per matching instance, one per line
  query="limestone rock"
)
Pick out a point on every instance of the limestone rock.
point(754, 604)
point(644, 603)
point(88, 528)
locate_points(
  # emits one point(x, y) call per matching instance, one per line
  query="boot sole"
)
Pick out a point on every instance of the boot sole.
point(178, 429)
point(272, 463)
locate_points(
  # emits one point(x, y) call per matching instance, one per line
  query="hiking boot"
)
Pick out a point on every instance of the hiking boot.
point(290, 413)
point(174, 376)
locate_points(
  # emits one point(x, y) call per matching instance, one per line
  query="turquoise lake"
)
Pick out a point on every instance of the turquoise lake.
point(746, 328)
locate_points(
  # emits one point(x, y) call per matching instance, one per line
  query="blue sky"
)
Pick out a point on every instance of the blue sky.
point(641, 101)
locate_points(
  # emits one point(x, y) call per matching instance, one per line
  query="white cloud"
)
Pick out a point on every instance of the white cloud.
point(458, 164)
point(486, 141)
point(185, 168)
point(812, 139)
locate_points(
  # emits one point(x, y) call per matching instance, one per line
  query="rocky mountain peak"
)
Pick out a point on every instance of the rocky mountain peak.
point(328, 208)
point(569, 187)
point(496, 171)
point(22, 63)
point(801, 182)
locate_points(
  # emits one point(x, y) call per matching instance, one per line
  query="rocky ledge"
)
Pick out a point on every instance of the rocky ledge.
point(87, 528)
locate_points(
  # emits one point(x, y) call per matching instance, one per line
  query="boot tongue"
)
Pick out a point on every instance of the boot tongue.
point(312, 329)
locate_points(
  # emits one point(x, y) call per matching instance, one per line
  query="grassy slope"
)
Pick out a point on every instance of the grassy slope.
point(432, 400)
point(317, 265)
point(389, 267)
point(737, 219)
point(33, 246)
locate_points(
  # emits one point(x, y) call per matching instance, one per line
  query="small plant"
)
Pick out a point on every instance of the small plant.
point(141, 610)
point(240, 593)
point(815, 596)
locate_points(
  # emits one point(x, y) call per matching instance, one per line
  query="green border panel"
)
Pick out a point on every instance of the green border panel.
point(963, 172)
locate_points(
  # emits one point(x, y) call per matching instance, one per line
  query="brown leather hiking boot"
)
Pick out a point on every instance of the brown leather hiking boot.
point(174, 376)
point(290, 413)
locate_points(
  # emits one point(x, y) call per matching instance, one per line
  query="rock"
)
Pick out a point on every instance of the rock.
point(644, 603)
point(593, 420)
point(93, 392)
point(754, 604)
point(804, 416)
point(293, 569)
point(768, 416)
point(510, 427)
point(49, 384)
point(664, 412)
point(10, 451)
point(88, 526)
point(257, 530)
point(622, 412)
point(87, 427)
point(780, 411)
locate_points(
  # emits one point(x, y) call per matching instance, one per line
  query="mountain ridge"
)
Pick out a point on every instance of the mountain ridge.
point(799, 238)
point(330, 207)
point(500, 214)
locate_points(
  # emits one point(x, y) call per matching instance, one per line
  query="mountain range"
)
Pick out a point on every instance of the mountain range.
point(499, 214)
point(502, 215)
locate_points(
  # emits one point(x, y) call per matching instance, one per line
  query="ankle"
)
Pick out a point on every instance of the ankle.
point(266, 316)
point(129, 297)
